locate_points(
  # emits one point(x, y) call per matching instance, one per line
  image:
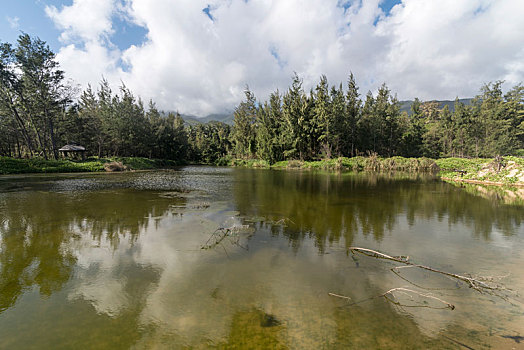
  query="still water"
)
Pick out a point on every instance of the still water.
point(135, 261)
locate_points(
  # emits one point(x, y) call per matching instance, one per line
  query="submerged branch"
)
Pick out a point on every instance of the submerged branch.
point(396, 269)
point(339, 296)
point(390, 297)
point(423, 295)
point(221, 233)
point(483, 285)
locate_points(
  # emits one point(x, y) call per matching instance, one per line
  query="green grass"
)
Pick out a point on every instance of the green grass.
point(249, 163)
point(452, 168)
point(39, 165)
point(344, 163)
point(481, 169)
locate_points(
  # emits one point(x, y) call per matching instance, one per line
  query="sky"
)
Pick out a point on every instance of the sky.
point(197, 56)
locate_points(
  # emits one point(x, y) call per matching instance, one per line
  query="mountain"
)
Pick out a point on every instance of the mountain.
point(405, 106)
point(192, 119)
point(220, 117)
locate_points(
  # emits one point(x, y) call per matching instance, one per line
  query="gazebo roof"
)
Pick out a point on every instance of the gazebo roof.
point(72, 148)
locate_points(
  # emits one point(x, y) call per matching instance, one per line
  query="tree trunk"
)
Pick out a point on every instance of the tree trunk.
point(21, 125)
point(53, 142)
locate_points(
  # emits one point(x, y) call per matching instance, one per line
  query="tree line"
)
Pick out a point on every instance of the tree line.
point(333, 121)
point(39, 112)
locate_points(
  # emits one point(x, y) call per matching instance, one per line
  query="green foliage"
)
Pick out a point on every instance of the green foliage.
point(280, 165)
point(249, 163)
point(37, 116)
point(506, 170)
point(519, 152)
point(451, 167)
point(330, 122)
point(224, 161)
point(40, 165)
point(269, 141)
point(344, 163)
point(243, 134)
point(209, 143)
point(10, 165)
point(32, 97)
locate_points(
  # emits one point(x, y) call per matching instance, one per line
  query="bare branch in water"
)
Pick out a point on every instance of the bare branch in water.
point(396, 270)
point(390, 297)
point(221, 233)
point(339, 296)
point(483, 285)
point(407, 291)
point(490, 285)
point(282, 221)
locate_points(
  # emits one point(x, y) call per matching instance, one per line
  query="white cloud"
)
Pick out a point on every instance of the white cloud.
point(14, 22)
point(448, 48)
point(84, 20)
point(197, 65)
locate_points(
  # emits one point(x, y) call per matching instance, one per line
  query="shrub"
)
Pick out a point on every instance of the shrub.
point(114, 166)
point(294, 164)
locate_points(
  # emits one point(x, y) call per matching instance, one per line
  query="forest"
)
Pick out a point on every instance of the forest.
point(40, 111)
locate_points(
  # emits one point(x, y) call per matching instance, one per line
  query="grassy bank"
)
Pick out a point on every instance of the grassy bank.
point(511, 195)
point(505, 171)
point(39, 165)
point(502, 171)
point(344, 163)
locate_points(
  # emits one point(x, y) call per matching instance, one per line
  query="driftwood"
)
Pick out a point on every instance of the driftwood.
point(339, 296)
point(390, 297)
point(221, 233)
point(483, 285)
point(387, 295)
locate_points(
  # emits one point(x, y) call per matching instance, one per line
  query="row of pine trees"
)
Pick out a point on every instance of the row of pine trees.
point(39, 113)
point(330, 122)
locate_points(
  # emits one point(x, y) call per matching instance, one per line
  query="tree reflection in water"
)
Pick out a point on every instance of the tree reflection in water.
point(37, 227)
point(120, 257)
point(330, 207)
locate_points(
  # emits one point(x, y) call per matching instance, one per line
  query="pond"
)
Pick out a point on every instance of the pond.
point(211, 257)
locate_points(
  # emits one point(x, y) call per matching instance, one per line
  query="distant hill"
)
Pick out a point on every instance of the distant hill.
point(219, 117)
point(405, 106)
point(192, 119)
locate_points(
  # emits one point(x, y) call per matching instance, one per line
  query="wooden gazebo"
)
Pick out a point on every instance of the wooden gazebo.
point(74, 151)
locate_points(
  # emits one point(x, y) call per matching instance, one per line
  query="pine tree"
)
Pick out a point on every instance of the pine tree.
point(339, 120)
point(321, 121)
point(353, 109)
point(243, 135)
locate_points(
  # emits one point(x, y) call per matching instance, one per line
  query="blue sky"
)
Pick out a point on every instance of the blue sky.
point(30, 17)
point(196, 56)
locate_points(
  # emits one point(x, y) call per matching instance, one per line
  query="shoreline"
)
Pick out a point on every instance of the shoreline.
point(483, 182)
point(14, 166)
point(506, 171)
